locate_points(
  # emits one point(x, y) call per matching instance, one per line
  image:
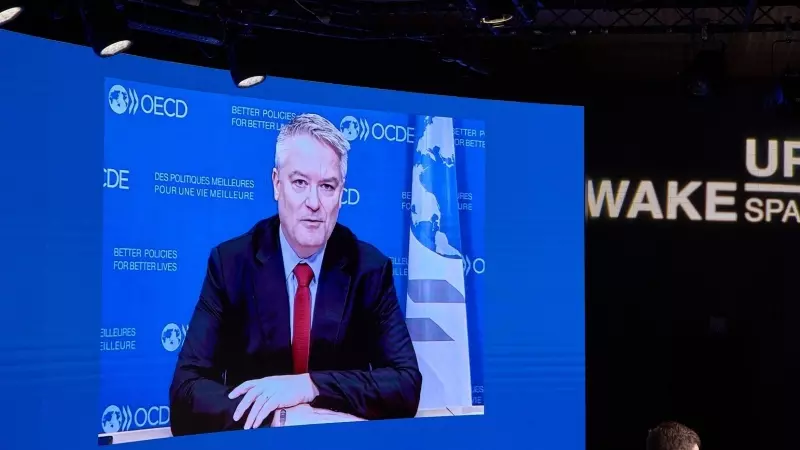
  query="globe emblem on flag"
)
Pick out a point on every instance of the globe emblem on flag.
point(434, 201)
point(112, 419)
point(118, 99)
point(350, 128)
point(171, 337)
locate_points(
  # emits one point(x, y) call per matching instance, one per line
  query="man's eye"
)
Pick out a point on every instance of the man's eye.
point(299, 183)
point(328, 187)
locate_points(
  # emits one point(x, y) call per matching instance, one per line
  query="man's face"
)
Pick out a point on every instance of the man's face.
point(308, 188)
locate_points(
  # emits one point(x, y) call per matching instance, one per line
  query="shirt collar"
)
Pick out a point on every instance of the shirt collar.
point(290, 258)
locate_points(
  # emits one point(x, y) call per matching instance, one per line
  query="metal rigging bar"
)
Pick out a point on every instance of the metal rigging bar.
point(722, 19)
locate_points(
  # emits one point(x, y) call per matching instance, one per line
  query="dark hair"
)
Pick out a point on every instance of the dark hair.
point(672, 436)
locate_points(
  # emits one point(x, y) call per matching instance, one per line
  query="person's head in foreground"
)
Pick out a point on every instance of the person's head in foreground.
point(308, 180)
point(672, 436)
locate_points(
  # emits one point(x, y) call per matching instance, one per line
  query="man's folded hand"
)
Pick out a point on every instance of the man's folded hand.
point(265, 395)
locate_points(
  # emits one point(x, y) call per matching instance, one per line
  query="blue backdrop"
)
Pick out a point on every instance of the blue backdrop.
point(60, 286)
point(186, 170)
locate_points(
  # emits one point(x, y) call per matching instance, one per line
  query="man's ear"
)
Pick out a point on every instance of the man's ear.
point(275, 183)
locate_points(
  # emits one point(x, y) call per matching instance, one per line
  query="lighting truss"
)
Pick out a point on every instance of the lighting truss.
point(720, 19)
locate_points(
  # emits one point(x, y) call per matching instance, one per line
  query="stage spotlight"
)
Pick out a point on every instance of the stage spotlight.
point(9, 10)
point(494, 12)
point(247, 62)
point(106, 27)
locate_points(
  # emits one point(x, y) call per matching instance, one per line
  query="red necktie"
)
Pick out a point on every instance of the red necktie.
point(301, 342)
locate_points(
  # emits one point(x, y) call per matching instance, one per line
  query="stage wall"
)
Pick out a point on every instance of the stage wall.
point(691, 274)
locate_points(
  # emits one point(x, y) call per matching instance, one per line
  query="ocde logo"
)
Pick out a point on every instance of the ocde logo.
point(350, 196)
point(353, 128)
point(477, 265)
point(122, 418)
point(360, 129)
point(116, 179)
point(173, 336)
point(393, 133)
point(123, 101)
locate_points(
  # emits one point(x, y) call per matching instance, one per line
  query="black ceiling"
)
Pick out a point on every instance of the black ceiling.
point(441, 46)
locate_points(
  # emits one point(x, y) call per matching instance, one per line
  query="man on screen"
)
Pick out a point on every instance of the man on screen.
point(672, 436)
point(296, 313)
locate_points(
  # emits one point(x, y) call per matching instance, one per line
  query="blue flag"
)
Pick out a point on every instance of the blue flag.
point(436, 306)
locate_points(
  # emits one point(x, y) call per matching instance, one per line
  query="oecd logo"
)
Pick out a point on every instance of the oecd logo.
point(116, 179)
point(116, 419)
point(127, 101)
point(350, 196)
point(120, 100)
point(353, 128)
point(360, 129)
point(476, 265)
point(172, 336)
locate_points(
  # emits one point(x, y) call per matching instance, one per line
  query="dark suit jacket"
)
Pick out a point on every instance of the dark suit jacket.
point(362, 360)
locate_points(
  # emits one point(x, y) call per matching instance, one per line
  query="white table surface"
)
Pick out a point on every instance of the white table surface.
point(161, 433)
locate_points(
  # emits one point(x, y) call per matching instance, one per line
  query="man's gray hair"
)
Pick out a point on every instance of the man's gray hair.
point(318, 128)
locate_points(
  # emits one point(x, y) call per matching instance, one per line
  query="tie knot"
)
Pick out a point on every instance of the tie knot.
point(304, 274)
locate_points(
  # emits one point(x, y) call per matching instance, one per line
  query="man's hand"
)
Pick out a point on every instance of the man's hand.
point(270, 393)
point(295, 415)
point(304, 414)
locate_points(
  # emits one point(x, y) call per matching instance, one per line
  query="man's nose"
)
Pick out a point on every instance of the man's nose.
point(312, 201)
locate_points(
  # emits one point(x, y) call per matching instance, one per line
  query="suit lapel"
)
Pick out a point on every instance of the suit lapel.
point(271, 297)
point(331, 299)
